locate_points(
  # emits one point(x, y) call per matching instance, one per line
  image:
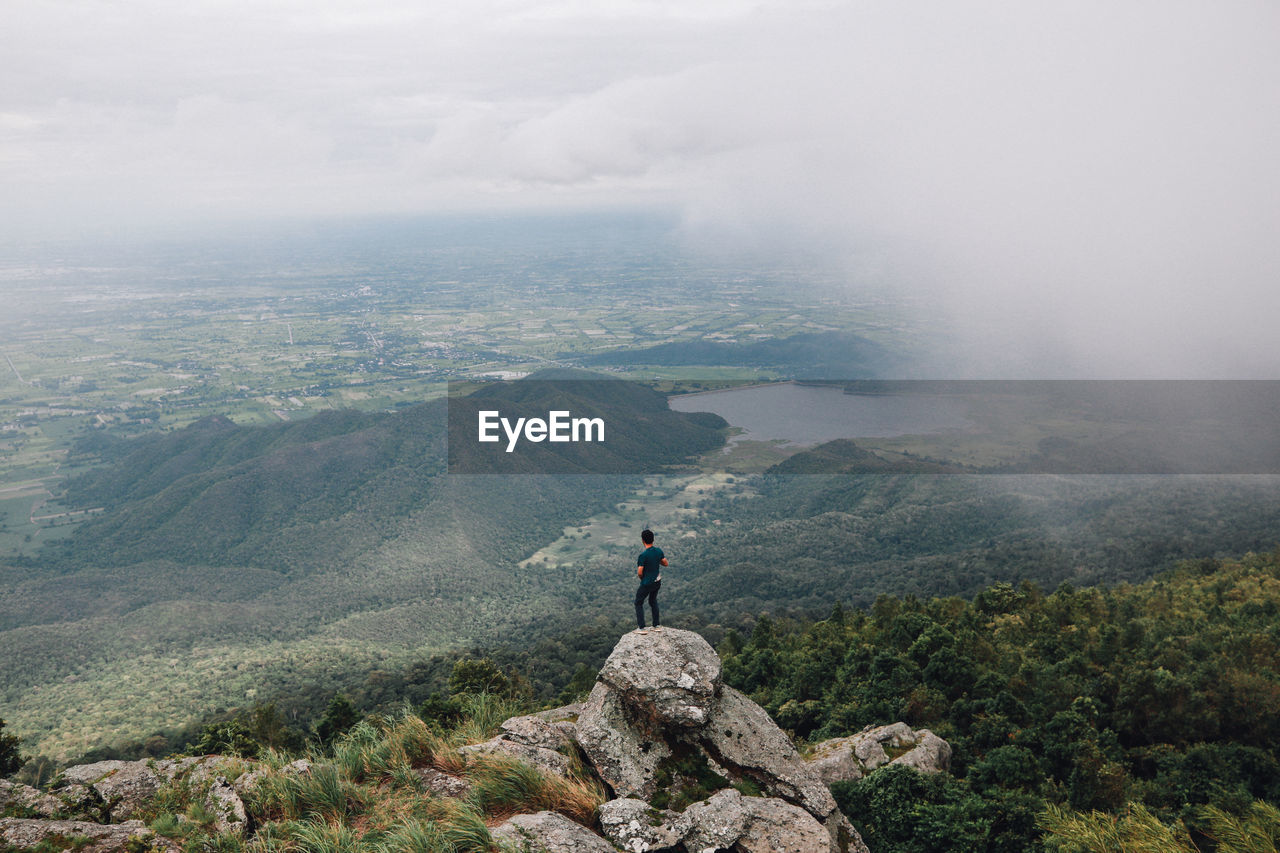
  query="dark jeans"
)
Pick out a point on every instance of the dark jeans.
point(651, 592)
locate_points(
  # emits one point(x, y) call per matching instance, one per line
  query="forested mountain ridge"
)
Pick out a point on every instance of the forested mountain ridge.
point(320, 492)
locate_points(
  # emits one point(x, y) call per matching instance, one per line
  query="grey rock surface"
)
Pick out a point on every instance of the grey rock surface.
point(546, 760)
point(729, 821)
point(227, 808)
point(536, 730)
point(637, 827)
point(24, 796)
point(744, 738)
point(851, 758)
point(246, 782)
point(121, 788)
point(931, 754)
point(549, 832)
point(565, 713)
point(779, 827)
point(25, 834)
point(716, 823)
point(624, 756)
point(668, 676)
point(833, 760)
point(441, 784)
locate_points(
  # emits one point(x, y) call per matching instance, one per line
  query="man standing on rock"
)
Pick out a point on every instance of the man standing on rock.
point(649, 570)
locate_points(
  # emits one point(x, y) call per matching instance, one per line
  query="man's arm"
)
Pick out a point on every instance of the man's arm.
point(664, 562)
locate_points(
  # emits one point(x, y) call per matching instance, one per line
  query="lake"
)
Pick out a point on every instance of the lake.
point(807, 414)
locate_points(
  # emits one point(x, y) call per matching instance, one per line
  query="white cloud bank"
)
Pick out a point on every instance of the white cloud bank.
point(1086, 186)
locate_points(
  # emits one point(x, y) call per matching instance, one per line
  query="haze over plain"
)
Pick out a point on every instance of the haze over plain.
point(1085, 190)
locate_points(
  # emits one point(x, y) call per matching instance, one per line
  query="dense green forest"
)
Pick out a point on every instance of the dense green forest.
point(1164, 694)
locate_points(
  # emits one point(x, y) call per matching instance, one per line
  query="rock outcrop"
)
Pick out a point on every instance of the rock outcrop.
point(537, 738)
point(25, 834)
point(111, 790)
point(851, 758)
point(114, 791)
point(724, 821)
point(23, 797)
point(103, 801)
point(669, 678)
point(661, 727)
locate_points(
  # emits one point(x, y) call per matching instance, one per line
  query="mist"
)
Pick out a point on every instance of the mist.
point(1086, 190)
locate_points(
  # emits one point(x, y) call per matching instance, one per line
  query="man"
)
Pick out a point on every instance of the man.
point(649, 570)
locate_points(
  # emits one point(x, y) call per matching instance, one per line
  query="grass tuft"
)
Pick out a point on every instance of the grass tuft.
point(502, 785)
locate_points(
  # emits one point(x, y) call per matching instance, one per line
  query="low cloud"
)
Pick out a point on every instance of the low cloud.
point(1079, 189)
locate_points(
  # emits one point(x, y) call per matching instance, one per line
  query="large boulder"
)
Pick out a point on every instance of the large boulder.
point(670, 677)
point(779, 827)
point(546, 760)
point(549, 832)
point(111, 790)
point(26, 834)
point(768, 825)
point(931, 754)
point(850, 758)
point(17, 795)
point(120, 790)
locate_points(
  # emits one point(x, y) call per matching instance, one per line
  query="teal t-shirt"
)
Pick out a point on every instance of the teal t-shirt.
point(651, 559)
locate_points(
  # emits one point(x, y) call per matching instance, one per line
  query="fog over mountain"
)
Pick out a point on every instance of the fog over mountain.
point(1081, 190)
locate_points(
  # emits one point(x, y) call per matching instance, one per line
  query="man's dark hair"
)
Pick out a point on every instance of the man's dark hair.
point(646, 536)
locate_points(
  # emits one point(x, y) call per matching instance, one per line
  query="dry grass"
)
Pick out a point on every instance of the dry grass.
point(1136, 830)
point(503, 786)
point(367, 797)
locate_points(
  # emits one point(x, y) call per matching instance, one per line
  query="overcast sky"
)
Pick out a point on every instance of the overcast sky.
point(1084, 181)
